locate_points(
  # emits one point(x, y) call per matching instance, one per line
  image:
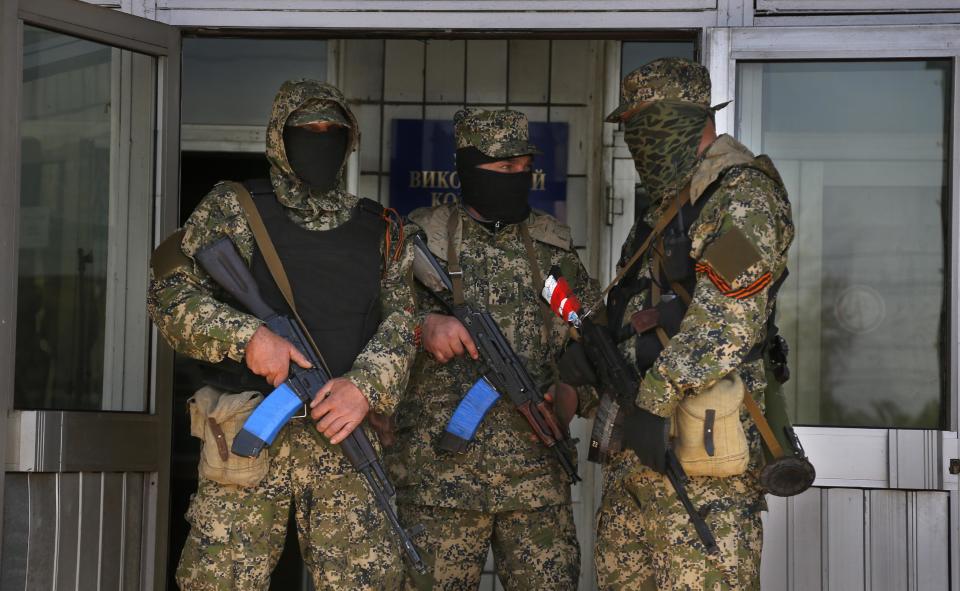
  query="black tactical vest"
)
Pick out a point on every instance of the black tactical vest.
point(335, 278)
point(334, 275)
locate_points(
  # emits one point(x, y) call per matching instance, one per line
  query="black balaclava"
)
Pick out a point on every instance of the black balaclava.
point(499, 197)
point(316, 157)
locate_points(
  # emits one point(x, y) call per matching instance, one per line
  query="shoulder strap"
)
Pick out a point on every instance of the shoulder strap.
point(682, 199)
point(776, 450)
point(269, 252)
point(264, 243)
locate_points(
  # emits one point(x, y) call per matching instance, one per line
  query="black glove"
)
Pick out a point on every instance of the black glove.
point(648, 345)
point(574, 367)
point(648, 435)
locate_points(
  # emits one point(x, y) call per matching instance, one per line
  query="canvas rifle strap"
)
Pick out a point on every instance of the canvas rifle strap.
point(762, 425)
point(682, 199)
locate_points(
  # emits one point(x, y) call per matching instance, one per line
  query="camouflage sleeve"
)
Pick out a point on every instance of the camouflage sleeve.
point(588, 291)
point(382, 368)
point(182, 303)
point(726, 317)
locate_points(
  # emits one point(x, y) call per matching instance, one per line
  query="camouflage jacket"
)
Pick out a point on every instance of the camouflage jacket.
point(506, 467)
point(721, 324)
point(184, 303)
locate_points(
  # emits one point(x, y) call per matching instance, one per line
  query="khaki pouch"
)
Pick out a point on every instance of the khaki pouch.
point(710, 439)
point(216, 418)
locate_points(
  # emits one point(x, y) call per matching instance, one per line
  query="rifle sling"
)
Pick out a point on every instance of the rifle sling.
point(682, 199)
point(270, 256)
point(763, 426)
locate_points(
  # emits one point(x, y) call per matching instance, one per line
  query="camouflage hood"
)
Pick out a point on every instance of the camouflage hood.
point(291, 191)
point(723, 154)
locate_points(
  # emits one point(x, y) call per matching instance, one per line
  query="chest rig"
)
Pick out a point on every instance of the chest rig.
point(672, 278)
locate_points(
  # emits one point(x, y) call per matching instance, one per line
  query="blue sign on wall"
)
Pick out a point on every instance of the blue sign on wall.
point(422, 170)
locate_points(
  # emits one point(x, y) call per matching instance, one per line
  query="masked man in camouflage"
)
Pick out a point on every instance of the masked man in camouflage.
point(711, 274)
point(351, 283)
point(506, 488)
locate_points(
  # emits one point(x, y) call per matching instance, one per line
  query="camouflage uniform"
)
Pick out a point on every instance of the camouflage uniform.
point(644, 536)
point(237, 533)
point(507, 488)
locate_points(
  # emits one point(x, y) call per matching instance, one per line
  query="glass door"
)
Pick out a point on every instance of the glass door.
point(89, 176)
point(861, 125)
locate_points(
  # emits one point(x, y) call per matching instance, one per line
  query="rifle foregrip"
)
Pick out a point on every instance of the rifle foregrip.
point(551, 420)
point(222, 262)
point(526, 409)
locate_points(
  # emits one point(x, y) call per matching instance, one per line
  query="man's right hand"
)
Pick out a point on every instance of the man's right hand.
point(269, 355)
point(445, 337)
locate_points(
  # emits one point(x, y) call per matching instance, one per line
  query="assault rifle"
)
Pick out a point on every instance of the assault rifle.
point(504, 373)
point(618, 382)
point(222, 262)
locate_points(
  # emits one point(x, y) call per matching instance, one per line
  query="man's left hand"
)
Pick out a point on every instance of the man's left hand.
point(338, 408)
point(563, 400)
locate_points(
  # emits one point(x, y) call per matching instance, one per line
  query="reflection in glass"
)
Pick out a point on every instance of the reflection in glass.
point(74, 210)
point(637, 53)
point(863, 150)
point(233, 81)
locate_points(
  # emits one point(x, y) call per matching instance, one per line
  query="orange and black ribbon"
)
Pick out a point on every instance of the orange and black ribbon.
point(392, 218)
point(724, 287)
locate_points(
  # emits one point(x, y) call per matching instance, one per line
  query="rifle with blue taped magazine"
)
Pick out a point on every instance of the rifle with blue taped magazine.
point(504, 373)
point(222, 262)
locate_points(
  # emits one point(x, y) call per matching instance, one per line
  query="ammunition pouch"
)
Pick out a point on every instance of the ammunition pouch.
point(710, 440)
point(216, 418)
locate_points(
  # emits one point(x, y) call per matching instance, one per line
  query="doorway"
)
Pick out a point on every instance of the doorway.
point(559, 83)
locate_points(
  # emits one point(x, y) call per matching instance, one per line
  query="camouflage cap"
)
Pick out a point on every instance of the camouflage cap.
point(318, 111)
point(669, 78)
point(498, 134)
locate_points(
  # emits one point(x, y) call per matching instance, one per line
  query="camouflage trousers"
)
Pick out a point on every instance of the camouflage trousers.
point(645, 540)
point(532, 549)
point(237, 534)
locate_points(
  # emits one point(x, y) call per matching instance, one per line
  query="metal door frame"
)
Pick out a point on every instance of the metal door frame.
point(43, 439)
point(884, 458)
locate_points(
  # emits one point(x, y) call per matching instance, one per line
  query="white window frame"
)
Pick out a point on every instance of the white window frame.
point(878, 458)
point(854, 5)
